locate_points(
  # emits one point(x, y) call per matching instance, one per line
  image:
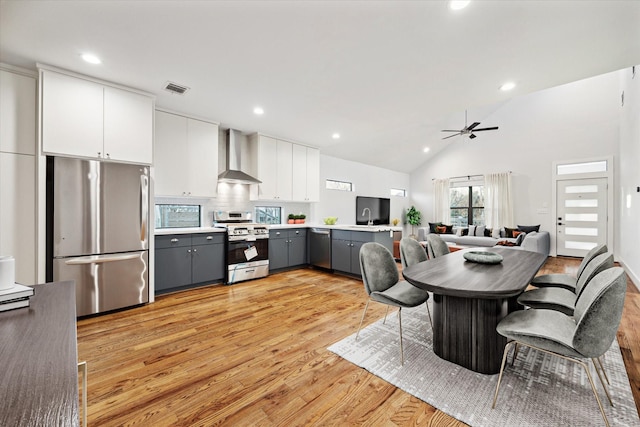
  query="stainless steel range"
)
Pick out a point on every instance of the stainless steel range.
point(247, 246)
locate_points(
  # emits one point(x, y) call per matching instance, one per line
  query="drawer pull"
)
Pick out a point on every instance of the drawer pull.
point(174, 240)
point(209, 237)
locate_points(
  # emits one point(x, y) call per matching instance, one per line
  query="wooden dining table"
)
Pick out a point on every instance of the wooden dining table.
point(469, 299)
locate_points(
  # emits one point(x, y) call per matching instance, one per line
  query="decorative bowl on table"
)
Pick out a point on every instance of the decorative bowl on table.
point(483, 257)
point(330, 220)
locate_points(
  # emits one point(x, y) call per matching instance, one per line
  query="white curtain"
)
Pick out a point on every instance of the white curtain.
point(498, 203)
point(441, 208)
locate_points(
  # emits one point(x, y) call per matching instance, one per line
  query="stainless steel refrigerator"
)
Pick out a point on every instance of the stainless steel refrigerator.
point(99, 217)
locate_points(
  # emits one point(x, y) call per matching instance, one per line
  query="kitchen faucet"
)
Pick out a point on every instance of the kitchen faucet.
point(363, 211)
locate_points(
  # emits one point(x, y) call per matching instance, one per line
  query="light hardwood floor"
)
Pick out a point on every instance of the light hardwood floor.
point(255, 353)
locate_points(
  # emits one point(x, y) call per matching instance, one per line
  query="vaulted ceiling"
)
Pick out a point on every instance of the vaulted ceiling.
point(385, 75)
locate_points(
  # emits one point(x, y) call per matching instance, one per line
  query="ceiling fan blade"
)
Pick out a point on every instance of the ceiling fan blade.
point(472, 136)
point(492, 128)
point(473, 125)
point(451, 136)
point(450, 130)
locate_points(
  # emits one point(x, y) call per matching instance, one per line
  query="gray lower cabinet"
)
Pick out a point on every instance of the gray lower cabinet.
point(287, 248)
point(186, 260)
point(345, 248)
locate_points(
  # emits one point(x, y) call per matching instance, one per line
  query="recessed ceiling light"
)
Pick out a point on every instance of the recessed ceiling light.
point(458, 4)
point(335, 136)
point(426, 149)
point(258, 110)
point(91, 58)
point(507, 86)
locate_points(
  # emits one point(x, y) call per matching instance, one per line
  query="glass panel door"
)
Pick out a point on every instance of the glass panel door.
point(582, 215)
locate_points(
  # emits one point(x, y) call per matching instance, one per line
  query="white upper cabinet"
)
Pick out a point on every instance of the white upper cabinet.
point(186, 156)
point(17, 113)
point(128, 120)
point(83, 118)
point(273, 165)
point(288, 171)
point(306, 173)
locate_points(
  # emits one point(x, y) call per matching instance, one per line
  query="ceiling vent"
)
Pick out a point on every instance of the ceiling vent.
point(175, 88)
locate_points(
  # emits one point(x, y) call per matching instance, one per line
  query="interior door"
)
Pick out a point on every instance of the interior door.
point(582, 215)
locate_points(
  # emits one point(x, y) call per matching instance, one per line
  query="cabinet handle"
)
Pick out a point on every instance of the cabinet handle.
point(277, 233)
point(209, 237)
point(297, 231)
point(108, 156)
point(195, 250)
point(99, 154)
point(174, 240)
point(188, 251)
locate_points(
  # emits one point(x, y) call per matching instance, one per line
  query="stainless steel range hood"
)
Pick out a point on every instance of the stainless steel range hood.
point(233, 174)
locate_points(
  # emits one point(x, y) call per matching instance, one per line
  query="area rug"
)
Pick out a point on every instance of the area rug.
point(539, 390)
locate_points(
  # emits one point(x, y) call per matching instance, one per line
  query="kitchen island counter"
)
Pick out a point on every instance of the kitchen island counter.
point(188, 230)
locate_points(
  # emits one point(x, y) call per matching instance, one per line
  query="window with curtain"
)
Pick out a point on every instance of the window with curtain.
point(498, 200)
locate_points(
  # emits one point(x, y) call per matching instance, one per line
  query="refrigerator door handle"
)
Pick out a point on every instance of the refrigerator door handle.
point(144, 206)
point(97, 259)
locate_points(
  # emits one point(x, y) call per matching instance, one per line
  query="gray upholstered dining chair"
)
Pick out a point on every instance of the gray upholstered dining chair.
point(381, 282)
point(566, 281)
point(436, 246)
point(587, 334)
point(561, 299)
point(412, 252)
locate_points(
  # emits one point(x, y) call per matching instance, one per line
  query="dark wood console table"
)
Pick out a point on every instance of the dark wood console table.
point(39, 360)
point(469, 301)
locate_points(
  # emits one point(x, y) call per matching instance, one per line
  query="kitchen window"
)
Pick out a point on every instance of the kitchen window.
point(398, 192)
point(339, 185)
point(177, 216)
point(269, 214)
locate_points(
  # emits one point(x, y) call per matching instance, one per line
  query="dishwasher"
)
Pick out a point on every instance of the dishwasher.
point(320, 247)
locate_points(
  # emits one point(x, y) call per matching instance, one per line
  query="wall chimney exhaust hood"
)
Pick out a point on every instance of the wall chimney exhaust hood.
point(233, 174)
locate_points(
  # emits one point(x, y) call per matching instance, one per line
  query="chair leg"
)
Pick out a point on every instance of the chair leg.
point(515, 353)
point(603, 371)
point(593, 387)
point(82, 367)
point(504, 359)
point(385, 315)
point(361, 320)
point(400, 326)
point(604, 386)
point(429, 313)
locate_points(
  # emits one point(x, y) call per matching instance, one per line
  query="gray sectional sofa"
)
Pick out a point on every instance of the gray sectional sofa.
point(534, 241)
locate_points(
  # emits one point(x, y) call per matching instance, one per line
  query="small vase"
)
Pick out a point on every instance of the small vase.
point(291, 221)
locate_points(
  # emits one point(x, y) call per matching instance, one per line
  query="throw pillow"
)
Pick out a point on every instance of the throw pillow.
point(432, 226)
point(509, 231)
point(449, 229)
point(464, 231)
point(472, 230)
point(488, 232)
point(480, 230)
point(516, 233)
point(440, 229)
point(520, 238)
point(529, 228)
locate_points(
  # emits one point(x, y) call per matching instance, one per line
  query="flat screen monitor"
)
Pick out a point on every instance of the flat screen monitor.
point(378, 206)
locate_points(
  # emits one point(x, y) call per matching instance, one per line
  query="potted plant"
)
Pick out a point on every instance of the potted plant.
point(413, 218)
point(300, 219)
point(291, 219)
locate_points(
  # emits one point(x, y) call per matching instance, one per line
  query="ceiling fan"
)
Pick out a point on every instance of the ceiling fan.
point(467, 130)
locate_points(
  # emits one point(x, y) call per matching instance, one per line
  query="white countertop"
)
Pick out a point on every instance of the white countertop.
point(165, 231)
point(371, 229)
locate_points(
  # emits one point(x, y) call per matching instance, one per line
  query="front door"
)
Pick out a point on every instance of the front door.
point(582, 215)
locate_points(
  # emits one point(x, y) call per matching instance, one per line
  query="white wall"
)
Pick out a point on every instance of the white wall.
point(367, 181)
point(628, 217)
point(575, 121)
